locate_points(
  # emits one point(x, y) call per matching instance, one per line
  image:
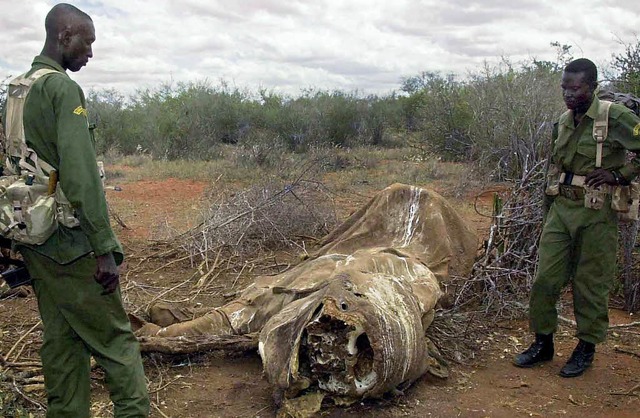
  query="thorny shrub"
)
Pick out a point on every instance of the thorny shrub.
point(262, 218)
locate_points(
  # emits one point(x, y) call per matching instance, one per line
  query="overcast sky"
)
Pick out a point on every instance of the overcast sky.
point(289, 45)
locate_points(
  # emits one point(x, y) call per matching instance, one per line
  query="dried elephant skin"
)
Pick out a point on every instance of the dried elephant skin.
point(414, 219)
point(349, 321)
point(360, 336)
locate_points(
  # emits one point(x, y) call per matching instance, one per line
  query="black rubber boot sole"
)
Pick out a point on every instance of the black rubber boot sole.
point(531, 365)
point(576, 373)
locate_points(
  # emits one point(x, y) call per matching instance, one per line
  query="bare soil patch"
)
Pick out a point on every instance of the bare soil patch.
point(149, 208)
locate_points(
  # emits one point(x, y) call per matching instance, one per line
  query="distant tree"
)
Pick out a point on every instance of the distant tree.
point(563, 57)
point(627, 66)
point(436, 106)
point(106, 112)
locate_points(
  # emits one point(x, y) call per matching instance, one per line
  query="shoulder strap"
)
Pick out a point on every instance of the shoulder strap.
point(601, 129)
point(16, 145)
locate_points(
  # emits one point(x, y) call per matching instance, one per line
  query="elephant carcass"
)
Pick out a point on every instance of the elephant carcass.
point(360, 336)
point(350, 321)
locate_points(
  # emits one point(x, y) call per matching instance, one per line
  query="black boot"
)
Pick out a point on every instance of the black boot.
point(541, 350)
point(580, 360)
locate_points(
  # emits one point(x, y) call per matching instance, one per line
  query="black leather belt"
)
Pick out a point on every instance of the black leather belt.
point(568, 177)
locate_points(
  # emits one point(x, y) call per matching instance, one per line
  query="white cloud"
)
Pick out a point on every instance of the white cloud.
point(365, 45)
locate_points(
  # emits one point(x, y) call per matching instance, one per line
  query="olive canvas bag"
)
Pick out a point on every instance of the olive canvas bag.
point(31, 204)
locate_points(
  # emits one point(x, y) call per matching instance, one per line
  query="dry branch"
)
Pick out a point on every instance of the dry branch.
point(503, 275)
point(34, 402)
point(116, 217)
point(631, 324)
point(628, 392)
point(627, 351)
point(185, 345)
point(455, 334)
point(22, 338)
point(263, 218)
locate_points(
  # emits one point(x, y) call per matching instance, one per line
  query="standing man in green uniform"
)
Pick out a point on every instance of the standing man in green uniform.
point(579, 243)
point(75, 274)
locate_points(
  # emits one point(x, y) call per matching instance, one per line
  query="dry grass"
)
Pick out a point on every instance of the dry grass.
point(248, 164)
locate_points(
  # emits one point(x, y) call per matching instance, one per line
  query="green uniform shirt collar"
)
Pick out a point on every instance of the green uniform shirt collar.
point(43, 60)
point(567, 117)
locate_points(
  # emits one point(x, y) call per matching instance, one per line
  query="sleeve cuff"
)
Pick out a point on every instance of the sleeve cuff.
point(628, 172)
point(104, 242)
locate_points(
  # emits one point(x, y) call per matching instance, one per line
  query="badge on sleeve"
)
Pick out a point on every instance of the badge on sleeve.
point(636, 130)
point(80, 111)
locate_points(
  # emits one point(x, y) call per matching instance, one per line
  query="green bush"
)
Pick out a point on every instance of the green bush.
point(189, 120)
point(438, 109)
point(627, 68)
point(513, 111)
point(500, 117)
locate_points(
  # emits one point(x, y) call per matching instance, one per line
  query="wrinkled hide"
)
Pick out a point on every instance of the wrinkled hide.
point(261, 300)
point(351, 320)
point(360, 336)
point(417, 221)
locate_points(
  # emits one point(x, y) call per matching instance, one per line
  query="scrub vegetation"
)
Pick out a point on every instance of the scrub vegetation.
point(499, 118)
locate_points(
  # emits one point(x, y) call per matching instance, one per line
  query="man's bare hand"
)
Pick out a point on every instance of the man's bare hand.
point(599, 177)
point(107, 273)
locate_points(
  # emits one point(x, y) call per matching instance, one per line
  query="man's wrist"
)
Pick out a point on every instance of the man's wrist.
point(619, 178)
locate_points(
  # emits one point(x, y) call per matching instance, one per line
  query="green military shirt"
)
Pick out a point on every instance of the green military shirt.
point(56, 128)
point(574, 148)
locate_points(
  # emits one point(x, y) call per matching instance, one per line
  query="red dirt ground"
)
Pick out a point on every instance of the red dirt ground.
point(148, 204)
point(217, 385)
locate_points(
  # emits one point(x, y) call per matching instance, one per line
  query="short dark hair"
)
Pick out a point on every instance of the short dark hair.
point(59, 16)
point(583, 65)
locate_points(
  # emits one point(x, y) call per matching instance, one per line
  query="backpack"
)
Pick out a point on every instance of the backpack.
point(629, 100)
point(18, 155)
point(31, 204)
point(625, 199)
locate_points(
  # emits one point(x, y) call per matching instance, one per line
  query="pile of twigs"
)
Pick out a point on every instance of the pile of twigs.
point(456, 335)
point(628, 234)
point(240, 235)
point(262, 218)
point(21, 379)
point(503, 274)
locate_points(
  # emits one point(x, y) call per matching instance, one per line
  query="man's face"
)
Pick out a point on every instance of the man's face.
point(77, 45)
point(576, 92)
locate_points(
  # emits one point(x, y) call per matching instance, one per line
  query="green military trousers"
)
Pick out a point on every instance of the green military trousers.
point(80, 322)
point(577, 245)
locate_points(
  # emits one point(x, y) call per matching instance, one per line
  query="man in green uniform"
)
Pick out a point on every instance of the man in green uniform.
point(75, 274)
point(578, 243)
